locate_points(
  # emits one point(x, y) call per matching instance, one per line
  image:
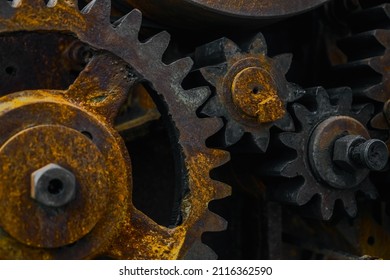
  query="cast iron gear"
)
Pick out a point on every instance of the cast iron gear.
point(251, 90)
point(135, 236)
point(328, 147)
point(367, 51)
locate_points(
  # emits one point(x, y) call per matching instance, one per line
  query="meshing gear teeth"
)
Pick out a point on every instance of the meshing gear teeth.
point(138, 237)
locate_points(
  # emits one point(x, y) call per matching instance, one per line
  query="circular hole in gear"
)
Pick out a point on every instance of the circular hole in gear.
point(256, 90)
point(10, 70)
point(371, 240)
point(55, 186)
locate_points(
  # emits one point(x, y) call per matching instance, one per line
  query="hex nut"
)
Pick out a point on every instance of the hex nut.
point(53, 185)
point(342, 150)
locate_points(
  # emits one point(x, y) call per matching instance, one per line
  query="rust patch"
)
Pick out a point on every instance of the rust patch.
point(255, 93)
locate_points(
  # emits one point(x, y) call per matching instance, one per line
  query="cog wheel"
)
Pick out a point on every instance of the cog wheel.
point(329, 162)
point(251, 90)
point(366, 51)
point(84, 113)
point(205, 14)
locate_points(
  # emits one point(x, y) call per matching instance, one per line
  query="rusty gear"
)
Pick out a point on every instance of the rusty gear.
point(317, 161)
point(221, 13)
point(109, 224)
point(251, 91)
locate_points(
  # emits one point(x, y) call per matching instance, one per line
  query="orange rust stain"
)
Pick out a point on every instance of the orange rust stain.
point(255, 93)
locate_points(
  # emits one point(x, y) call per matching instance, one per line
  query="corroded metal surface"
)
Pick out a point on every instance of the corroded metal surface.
point(206, 13)
point(54, 126)
point(33, 55)
point(91, 104)
point(255, 93)
point(252, 92)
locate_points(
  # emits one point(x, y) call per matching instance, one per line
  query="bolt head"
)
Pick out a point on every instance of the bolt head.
point(375, 154)
point(53, 185)
point(341, 151)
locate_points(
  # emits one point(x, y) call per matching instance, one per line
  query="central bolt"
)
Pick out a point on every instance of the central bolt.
point(53, 185)
point(355, 152)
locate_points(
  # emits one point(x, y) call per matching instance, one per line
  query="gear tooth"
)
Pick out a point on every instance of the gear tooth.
point(194, 98)
point(208, 128)
point(213, 74)
point(283, 61)
point(377, 92)
point(343, 97)
point(202, 94)
point(230, 49)
point(98, 9)
point(296, 195)
point(301, 112)
point(212, 108)
point(303, 194)
point(214, 222)
point(382, 36)
point(258, 45)
point(375, 64)
point(130, 24)
point(223, 157)
point(379, 122)
point(53, 3)
point(350, 206)
point(286, 123)
point(158, 45)
point(322, 99)
point(294, 92)
point(327, 208)
point(261, 140)
point(290, 169)
point(180, 69)
point(222, 190)
point(364, 113)
point(233, 133)
point(290, 140)
point(364, 45)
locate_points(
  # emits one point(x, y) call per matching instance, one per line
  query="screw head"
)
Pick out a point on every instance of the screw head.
point(53, 185)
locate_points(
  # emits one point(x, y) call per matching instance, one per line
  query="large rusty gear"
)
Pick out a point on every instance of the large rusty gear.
point(319, 145)
point(117, 229)
point(251, 91)
point(220, 13)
